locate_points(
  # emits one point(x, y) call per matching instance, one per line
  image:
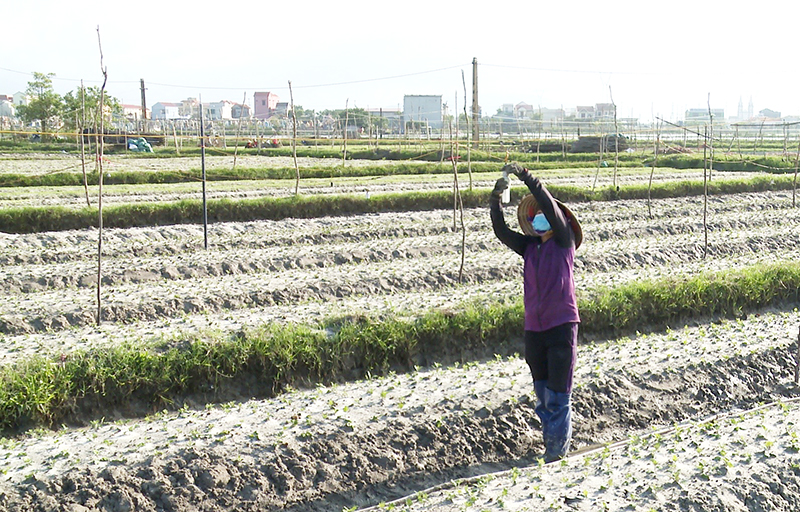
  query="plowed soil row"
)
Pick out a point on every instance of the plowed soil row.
point(362, 443)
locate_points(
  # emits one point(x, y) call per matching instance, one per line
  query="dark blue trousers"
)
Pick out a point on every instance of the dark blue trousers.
point(551, 356)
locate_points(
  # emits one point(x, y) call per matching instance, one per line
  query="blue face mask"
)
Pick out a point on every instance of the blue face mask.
point(540, 224)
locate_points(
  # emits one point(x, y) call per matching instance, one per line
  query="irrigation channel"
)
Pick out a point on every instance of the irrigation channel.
point(666, 417)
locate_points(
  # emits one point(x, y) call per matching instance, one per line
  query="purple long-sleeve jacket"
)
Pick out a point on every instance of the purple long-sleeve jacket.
point(549, 283)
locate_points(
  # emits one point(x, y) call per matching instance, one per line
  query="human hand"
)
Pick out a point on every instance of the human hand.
point(515, 169)
point(499, 187)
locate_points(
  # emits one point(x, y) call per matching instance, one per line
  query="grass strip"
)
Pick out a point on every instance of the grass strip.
point(41, 392)
point(32, 219)
point(75, 179)
point(434, 166)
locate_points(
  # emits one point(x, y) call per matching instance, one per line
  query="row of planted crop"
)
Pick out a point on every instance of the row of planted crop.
point(50, 218)
point(37, 390)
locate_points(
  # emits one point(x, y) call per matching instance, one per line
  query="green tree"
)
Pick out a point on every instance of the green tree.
point(85, 112)
point(44, 105)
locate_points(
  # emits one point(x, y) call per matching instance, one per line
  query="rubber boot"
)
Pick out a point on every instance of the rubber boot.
point(540, 388)
point(557, 432)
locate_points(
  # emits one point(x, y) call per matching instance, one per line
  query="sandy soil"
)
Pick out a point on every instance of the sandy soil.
point(661, 418)
point(358, 444)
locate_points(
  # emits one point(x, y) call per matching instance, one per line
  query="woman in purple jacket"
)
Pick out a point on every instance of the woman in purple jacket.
point(548, 246)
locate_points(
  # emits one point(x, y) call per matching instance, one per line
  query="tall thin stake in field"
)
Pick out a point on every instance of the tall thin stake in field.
point(469, 146)
point(83, 145)
point(458, 202)
point(656, 141)
point(238, 130)
point(344, 131)
point(710, 139)
point(705, 193)
point(294, 142)
point(99, 146)
point(794, 182)
point(203, 169)
point(616, 138)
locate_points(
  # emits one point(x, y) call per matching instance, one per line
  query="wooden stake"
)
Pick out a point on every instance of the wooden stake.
point(469, 130)
point(794, 182)
point(656, 140)
point(100, 141)
point(294, 142)
point(710, 140)
point(83, 145)
point(203, 170)
point(238, 129)
point(705, 194)
point(616, 138)
point(344, 131)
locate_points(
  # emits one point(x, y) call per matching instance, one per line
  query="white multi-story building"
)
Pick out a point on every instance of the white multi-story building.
point(217, 110)
point(6, 106)
point(20, 98)
point(166, 111)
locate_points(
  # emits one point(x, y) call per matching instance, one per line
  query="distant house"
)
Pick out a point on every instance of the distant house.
point(282, 108)
point(190, 109)
point(523, 111)
point(584, 112)
point(265, 104)
point(698, 116)
point(134, 112)
point(20, 98)
point(167, 111)
point(219, 110)
point(604, 111)
point(240, 111)
point(7, 106)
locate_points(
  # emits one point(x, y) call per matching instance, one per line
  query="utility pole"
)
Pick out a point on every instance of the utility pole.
point(144, 107)
point(476, 115)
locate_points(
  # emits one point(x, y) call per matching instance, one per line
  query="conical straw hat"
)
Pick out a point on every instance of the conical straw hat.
point(527, 209)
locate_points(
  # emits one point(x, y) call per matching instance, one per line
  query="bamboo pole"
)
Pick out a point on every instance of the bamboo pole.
point(794, 182)
point(83, 145)
point(294, 142)
point(99, 146)
point(344, 131)
point(459, 204)
point(469, 130)
point(710, 139)
point(175, 139)
point(705, 196)
point(656, 141)
point(238, 130)
point(203, 170)
point(616, 138)
point(453, 149)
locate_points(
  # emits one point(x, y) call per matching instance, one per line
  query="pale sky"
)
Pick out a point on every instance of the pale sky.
point(655, 58)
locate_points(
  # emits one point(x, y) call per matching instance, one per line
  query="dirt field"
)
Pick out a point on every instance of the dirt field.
point(458, 434)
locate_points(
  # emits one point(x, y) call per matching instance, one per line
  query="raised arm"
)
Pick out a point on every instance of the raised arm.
point(514, 240)
point(562, 232)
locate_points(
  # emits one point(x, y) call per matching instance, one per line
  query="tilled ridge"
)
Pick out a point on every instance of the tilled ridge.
point(330, 466)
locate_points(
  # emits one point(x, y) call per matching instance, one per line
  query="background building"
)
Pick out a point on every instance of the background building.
point(422, 110)
point(265, 104)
